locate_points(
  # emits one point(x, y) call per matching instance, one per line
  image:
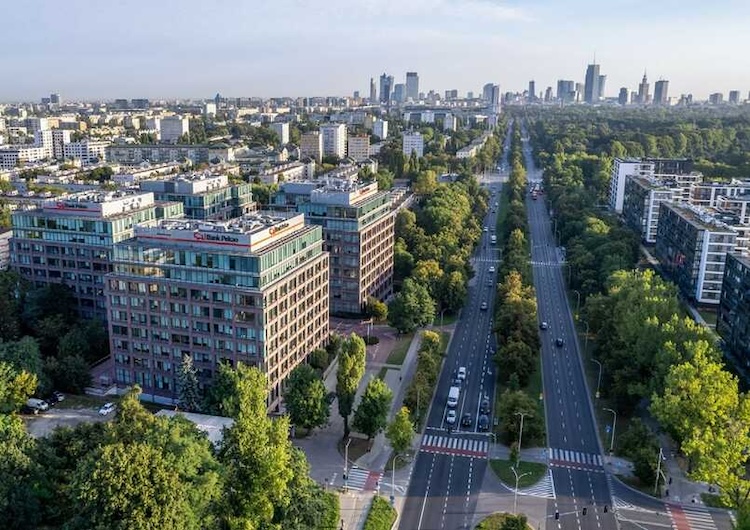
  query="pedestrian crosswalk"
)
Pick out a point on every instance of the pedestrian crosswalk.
point(575, 459)
point(686, 517)
point(453, 445)
point(545, 488)
point(362, 479)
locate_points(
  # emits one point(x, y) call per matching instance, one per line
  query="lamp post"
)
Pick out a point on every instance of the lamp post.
point(393, 478)
point(515, 492)
point(442, 312)
point(346, 464)
point(598, 379)
point(614, 424)
point(520, 431)
point(578, 300)
point(586, 338)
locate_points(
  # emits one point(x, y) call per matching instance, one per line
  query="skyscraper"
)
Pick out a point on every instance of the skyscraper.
point(644, 98)
point(386, 85)
point(602, 82)
point(373, 91)
point(622, 98)
point(412, 86)
point(566, 90)
point(591, 87)
point(399, 93)
point(734, 97)
point(532, 91)
point(660, 92)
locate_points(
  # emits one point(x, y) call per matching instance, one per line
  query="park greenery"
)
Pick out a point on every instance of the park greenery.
point(655, 360)
point(350, 371)
point(381, 515)
point(400, 431)
point(146, 471)
point(371, 416)
point(423, 384)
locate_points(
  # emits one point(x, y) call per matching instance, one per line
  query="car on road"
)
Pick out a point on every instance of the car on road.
point(466, 420)
point(492, 268)
point(106, 409)
point(484, 406)
point(450, 418)
point(559, 342)
point(543, 325)
point(486, 229)
point(483, 423)
point(461, 373)
point(483, 307)
point(38, 404)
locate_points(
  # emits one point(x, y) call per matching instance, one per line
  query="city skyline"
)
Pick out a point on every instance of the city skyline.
point(480, 40)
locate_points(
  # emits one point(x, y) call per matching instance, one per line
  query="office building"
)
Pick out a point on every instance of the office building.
point(55, 99)
point(487, 90)
point(566, 91)
point(334, 139)
point(622, 97)
point(644, 98)
point(548, 94)
point(661, 89)
point(359, 147)
point(282, 131)
point(412, 86)
point(591, 87)
point(450, 123)
point(733, 322)
point(602, 83)
point(386, 85)
point(380, 129)
point(357, 222)
point(252, 290)
point(399, 93)
point(717, 98)
point(172, 128)
point(691, 246)
point(311, 145)
point(373, 92)
point(209, 109)
point(87, 151)
point(734, 97)
point(203, 196)
point(531, 97)
point(413, 142)
point(70, 239)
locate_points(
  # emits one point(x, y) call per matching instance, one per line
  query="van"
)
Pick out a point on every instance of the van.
point(453, 396)
point(37, 404)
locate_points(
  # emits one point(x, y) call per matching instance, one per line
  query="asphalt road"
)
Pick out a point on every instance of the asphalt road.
point(452, 461)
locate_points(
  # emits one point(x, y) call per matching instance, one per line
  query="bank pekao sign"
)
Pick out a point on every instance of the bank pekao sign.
point(216, 238)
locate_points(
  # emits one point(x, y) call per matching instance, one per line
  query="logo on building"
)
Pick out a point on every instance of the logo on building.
point(278, 228)
point(223, 238)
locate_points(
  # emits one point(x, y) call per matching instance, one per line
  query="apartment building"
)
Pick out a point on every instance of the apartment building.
point(87, 151)
point(134, 154)
point(641, 200)
point(172, 128)
point(204, 196)
point(334, 139)
point(691, 246)
point(287, 172)
point(359, 147)
point(678, 170)
point(733, 322)
point(5, 235)
point(282, 130)
point(413, 142)
point(14, 156)
point(358, 223)
point(251, 290)
point(311, 145)
point(707, 194)
point(70, 239)
point(380, 129)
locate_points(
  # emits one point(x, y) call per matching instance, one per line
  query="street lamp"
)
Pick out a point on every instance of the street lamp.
point(598, 379)
point(578, 300)
point(614, 424)
point(586, 339)
point(520, 431)
point(515, 493)
point(393, 478)
point(346, 464)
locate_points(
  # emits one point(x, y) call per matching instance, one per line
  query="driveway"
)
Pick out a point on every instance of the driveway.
point(43, 424)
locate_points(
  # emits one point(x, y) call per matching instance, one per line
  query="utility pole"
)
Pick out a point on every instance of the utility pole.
point(658, 470)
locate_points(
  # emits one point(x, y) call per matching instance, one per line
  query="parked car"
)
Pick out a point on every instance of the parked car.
point(39, 404)
point(106, 409)
point(450, 418)
point(466, 420)
point(483, 424)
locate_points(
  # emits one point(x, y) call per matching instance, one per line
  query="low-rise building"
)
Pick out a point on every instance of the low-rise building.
point(287, 172)
point(15, 156)
point(252, 290)
point(87, 151)
point(156, 154)
point(733, 322)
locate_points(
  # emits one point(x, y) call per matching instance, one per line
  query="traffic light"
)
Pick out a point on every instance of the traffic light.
point(557, 515)
point(584, 511)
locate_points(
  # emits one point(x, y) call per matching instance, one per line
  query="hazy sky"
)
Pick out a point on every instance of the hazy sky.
point(92, 49)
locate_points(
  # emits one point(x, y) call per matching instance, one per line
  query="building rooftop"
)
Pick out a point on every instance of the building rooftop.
point(701, 218)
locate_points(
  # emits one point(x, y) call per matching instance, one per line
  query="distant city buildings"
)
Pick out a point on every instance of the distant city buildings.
point(412, 86)
point(334, 139)
point(311, 145)
point(359, 147)
point(644, 98)
point(380, 129)
point(591, 86)
point(661, 89)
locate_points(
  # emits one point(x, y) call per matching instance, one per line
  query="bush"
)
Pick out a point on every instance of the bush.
point(372, 339)
point(381, 515)
point(320, 359)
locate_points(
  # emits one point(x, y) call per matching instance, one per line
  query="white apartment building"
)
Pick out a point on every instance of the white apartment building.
point(282, 130)
point(334, 139)
point(450, 122)
point(289, 172)
point(43, 139)
point(413, 142)
point(60, 137)
point(359, 147)
point(677, 170)
point(87, 151)
point(14, 156)
point(311, 145)
point(173, 127)
point(380, 129)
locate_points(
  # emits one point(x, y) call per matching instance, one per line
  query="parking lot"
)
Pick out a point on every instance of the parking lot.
point(45, 422)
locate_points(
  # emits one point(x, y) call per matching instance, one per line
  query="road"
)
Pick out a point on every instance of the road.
point(451, 464)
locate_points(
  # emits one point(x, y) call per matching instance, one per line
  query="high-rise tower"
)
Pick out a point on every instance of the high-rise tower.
point(591, 87)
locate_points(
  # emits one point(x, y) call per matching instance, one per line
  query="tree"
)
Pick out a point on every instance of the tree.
point(10, 324)
point(385, 179)
point(453, 291)
point(376, 309)
point(514, 522)
point(371, 416)
point(400, 431)
point(257, 456)
point(16, 386)
point(305, 398)
point(411, 308)
point(188, 388)
point(425, 183)
point(70, 373)
point(513, 402)
point(221, 398)
point(19, 508)
point(351, 369)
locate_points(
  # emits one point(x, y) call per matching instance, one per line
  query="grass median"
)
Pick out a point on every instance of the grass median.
point(532, 472)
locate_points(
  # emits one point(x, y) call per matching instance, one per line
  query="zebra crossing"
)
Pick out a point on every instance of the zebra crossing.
point(690, 517)
point(575, 459)
point(362, 479)
point(451, 445)
point(545, 488)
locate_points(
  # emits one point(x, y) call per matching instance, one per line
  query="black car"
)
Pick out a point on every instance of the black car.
point(466, 420)
point(483, 424)
point(559, 342)
point(484, 407)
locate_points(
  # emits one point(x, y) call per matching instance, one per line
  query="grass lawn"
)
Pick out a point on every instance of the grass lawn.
point(398, 354)
point(74, 401)
point(493, 522)
point(502, 469)
point(446, 321)
point(709, 315)
point(382, 372)
point(381, 515)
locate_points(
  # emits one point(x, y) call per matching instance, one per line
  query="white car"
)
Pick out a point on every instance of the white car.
point(485, 229)
point(461, 373)
point(450, 418)
point(106, 409)
point(491, 269)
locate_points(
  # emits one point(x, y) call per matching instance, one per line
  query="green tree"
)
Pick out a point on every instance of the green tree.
point(351, 369)
point(453, 291)
point(425, 183)
point(513, 402)
point(305, 398)
point(16, 386)
point(400, 432)
point(188, 387)
point(221, 398)
point(376, 309)
point(10, 312)
point(19, 507)
point(371, 416)
point(70, 373)
point(411, 308)
point(385, 179)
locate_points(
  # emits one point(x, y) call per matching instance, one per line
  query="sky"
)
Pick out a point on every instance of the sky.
point(106, 49)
